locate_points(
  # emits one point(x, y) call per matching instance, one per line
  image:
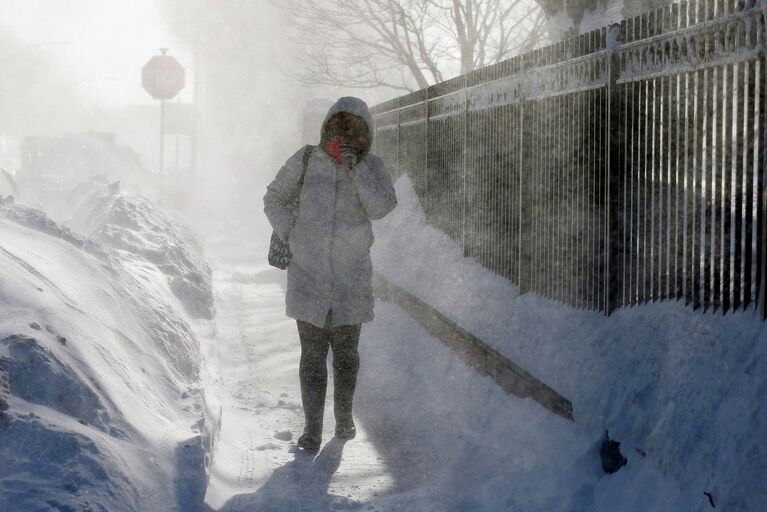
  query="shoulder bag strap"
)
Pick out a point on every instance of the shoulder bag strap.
point(307, 154)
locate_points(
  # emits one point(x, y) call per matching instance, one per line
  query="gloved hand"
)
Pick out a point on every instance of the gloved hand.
point(349, 153)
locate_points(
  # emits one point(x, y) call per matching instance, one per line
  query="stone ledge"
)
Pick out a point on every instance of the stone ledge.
point(511, 377)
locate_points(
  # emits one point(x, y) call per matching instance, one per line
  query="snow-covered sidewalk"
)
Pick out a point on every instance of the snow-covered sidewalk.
point(436, 436)
point(433, 434)
point(255, 465)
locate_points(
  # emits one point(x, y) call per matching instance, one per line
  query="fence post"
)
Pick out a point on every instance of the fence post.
point(612, 234)
point(425, 146)
point(762, 179)
point(465, 143)
point(399, 148)
point(525, 181)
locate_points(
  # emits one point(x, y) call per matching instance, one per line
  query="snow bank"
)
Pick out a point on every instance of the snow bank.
point(132, 225)
point(682, 390)
point(102, 406)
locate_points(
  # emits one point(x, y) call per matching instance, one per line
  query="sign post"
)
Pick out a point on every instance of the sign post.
point(163, 78)
point(161, 161)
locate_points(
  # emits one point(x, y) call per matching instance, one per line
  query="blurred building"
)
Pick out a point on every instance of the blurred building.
point(7, 184)
point(75, 157)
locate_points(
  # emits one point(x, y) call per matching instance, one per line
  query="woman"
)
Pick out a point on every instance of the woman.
point(339, 191)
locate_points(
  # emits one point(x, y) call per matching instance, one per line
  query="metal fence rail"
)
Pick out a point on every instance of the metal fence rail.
point(622, 166)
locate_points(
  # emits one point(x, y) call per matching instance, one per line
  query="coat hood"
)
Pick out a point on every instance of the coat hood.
point(354, 106)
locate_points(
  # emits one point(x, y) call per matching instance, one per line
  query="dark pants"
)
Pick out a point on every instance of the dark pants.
point(313, 371)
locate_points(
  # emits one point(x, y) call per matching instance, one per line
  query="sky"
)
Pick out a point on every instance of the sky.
point(104, 43)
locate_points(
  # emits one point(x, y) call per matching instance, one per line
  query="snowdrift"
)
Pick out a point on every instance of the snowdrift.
point(139, 231)
point(682, 391)
point(101, 406)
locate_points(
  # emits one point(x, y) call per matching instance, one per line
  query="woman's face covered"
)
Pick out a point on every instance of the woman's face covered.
point(345, 128)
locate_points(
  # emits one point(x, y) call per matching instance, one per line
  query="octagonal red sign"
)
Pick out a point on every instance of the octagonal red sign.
point(163, 77)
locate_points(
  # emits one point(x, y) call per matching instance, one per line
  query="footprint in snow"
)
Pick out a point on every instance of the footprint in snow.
point(283, 436)
point(267, 446)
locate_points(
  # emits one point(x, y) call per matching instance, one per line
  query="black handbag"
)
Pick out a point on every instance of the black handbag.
point(279, 250)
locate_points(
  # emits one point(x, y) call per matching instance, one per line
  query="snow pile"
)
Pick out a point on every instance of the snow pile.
point(142, 233)
point(38, 220)
point(681, 390)
point(100, 393)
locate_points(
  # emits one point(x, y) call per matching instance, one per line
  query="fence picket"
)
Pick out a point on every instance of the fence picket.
point(710, 188)
point(697, 191)
point(571, 254)
point(749, 118)
point(635, 192)
point(716, 190)
point(656, 206)
point(689, 189)
point(674, 272)
point(727, 166)
point(738, 175)
point(762, 188)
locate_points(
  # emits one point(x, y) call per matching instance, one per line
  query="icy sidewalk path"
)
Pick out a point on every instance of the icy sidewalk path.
point(255, 466)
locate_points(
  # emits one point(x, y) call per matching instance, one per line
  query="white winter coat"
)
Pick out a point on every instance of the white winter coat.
point(330, 234)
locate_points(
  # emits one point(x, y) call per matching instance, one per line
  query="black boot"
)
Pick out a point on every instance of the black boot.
point(345, 429)
point(309, 442)
point(313, 374)
point(346, 362)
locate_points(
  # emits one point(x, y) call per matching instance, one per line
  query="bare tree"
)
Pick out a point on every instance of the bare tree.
point(402, 44)
point(407, 44)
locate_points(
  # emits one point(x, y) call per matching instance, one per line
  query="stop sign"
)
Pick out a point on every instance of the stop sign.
point(162, 77)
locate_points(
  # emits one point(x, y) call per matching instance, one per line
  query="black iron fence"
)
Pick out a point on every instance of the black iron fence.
point(622, 166)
